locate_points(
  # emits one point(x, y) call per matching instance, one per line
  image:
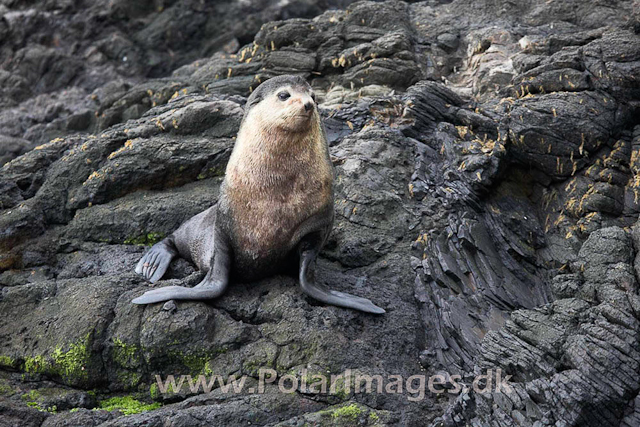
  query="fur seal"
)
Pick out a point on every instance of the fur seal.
point(275, 206)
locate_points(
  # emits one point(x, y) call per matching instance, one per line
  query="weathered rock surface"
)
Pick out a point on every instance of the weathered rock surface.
point(487, 158)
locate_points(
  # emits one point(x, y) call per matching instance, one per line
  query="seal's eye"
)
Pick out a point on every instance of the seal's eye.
point(283, 96)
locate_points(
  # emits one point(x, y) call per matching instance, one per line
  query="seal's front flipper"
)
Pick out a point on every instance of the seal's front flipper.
point(322, 293)
point(154, 263)
point(212, 286)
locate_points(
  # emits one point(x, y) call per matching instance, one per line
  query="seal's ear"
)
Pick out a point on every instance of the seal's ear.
point(254, 101)
point(256, 97)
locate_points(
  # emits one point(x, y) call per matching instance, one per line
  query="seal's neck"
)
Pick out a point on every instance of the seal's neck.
point(265, 156)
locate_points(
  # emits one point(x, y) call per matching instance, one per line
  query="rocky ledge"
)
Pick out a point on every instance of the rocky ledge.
point(488, 176)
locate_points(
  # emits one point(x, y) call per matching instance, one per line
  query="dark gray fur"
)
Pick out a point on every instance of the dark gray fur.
point(271, 85)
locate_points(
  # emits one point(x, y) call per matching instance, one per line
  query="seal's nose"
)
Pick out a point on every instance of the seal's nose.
point(308, 106)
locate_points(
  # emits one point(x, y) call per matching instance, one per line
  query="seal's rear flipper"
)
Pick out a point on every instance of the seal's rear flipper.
point(340, 299)
point(322, 293)
point(154, 263)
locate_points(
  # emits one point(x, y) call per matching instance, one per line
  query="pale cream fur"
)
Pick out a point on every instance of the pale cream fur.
point(278, 174)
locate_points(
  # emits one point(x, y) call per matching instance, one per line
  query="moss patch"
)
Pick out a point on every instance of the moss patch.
point(127, 405)
point(7, 362)
point(156, 394)
point(346, 415)
point(35, 365)
point(32, 401)
point(148, 239)
point(70, 364)
point(31, 396)
point(6, 389)
point(130, 380)
point(197, 362)
point(52, 409)
point(125, 355)
point(211, 172)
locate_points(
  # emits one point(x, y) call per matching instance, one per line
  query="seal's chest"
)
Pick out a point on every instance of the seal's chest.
point(267, 221)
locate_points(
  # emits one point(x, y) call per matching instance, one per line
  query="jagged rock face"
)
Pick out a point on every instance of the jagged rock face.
point(487, 163)
point(63, 60)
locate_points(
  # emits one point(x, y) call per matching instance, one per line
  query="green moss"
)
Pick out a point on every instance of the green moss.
point(153, 238)
point(74, 410)
point(373, 417)
point(52, 409)
point(154, 392)
point(195, 363)
point(217, 171)
point(72, 363)
point(208, 372)
point(31, 396)
point(198, 362)
point(5, 388)
point(36, 365)
point(129, 379)
point(32, 401)
point(127, 405)
point(7, 362)
point(211, 172)
point(125, 355)
point(139, 240)
point(314, 377)
point(347, 413)
point(148, 239)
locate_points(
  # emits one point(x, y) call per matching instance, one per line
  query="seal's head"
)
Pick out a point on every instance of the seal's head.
point(283, 103)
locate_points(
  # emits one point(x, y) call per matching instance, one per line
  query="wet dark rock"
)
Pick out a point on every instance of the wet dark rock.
point(82, 417)
point(12, 148)
point(589, 343)
point(20, 416)
point(487, 196)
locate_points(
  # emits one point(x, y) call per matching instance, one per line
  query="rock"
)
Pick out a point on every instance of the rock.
point(20, 416)
point(487, 163)
point(12, 148)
